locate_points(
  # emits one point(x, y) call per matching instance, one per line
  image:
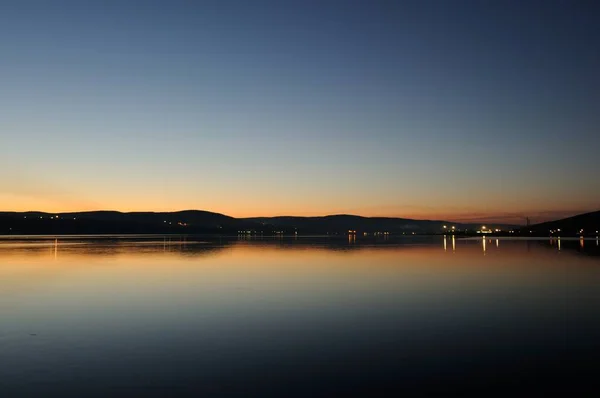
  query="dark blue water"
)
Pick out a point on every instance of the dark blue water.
point(158, 317)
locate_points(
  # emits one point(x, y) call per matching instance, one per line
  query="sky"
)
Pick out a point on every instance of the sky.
point(457, 110)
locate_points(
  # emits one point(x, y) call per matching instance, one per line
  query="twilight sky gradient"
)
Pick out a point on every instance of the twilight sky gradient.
point(430, 109)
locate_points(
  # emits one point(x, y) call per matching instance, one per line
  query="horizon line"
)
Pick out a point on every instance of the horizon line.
point(465, 221)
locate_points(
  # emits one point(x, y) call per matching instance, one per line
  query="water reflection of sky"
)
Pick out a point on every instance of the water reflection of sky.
point(111, 310)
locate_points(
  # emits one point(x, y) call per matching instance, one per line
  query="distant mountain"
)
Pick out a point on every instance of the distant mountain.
point(588, 222)
point(343, 223)
point(114, 222)
point(204, 222)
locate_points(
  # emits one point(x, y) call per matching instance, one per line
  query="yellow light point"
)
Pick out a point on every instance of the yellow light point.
point(445, 227)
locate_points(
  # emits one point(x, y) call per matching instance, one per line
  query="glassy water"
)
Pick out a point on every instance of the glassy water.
point(154, 316)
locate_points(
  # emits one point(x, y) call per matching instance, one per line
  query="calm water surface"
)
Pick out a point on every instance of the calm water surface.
point(154, 316)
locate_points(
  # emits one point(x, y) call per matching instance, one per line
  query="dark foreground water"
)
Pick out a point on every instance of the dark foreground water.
point(306, 317)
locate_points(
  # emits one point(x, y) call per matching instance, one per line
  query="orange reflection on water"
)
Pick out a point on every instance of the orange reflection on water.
point(107, 275)
point(271, 254)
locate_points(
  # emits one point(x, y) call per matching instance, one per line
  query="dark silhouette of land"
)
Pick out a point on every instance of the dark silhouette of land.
point(345, 223)
point(582, 224)
point(204, 222)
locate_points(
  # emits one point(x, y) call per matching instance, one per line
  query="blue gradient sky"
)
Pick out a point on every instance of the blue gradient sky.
point(432, 109)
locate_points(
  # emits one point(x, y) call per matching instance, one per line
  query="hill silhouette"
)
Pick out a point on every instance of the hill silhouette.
point(114, 222)
point(588, 222)
point(205, 222)
point(345, 222)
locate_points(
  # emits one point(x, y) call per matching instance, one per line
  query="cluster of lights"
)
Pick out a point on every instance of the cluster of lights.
point(581, 231)
point(180, 223)
point(52, 217)
point(484, 230)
